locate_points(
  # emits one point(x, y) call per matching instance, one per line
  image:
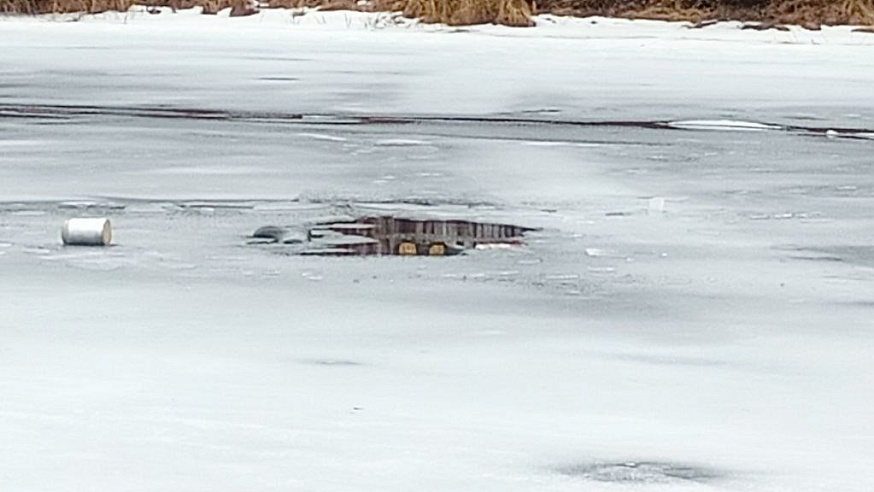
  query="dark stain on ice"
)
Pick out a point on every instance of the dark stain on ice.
point(640, 472)
point(70, 111)
point(46, 111)
point(859, 304)
point(333, 362)
point(859, 255)
point(277, 58)
point(825, 258)
point(212, 204)
point(851, 254)
point(278, 79)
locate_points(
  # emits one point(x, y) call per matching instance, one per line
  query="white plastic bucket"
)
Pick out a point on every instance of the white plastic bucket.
point(87, 232)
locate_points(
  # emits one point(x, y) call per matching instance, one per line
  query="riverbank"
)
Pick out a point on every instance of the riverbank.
point(762, 14)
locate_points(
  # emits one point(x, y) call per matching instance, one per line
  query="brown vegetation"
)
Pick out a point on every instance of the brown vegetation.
point(464, 12)
point(767, 13)
point(807, 13)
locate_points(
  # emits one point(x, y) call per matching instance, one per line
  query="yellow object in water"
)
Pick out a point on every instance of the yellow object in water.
point(438, 249)
point(407, 249)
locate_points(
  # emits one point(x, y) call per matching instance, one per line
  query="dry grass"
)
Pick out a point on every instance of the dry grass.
point(808, 13)
point(366, 6)
point(466, 12)
point(34, 7)
point(770, 13)
point(58, 6)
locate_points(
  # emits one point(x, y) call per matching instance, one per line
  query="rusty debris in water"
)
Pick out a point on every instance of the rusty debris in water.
point(390, 235)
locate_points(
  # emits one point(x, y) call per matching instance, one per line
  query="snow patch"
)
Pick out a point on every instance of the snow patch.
point(322, 136)
point(400, 142)
point(722, 125)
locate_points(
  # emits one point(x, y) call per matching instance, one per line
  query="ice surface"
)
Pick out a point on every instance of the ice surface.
point(723, 344)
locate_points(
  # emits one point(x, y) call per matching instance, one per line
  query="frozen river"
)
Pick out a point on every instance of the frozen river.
point(722, 342)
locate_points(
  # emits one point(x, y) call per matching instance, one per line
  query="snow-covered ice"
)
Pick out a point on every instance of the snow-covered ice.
point(693, 312)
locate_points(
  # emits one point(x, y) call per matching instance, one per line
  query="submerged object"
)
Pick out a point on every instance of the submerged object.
point(275, 234)
point(270, 232)
point(87, 232)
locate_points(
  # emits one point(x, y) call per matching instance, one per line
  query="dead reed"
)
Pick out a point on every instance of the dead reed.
point(808, 13)
point(466, 12)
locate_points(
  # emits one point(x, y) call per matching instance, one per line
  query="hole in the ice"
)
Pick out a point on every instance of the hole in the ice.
point(639, 472)
point(393, 235)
